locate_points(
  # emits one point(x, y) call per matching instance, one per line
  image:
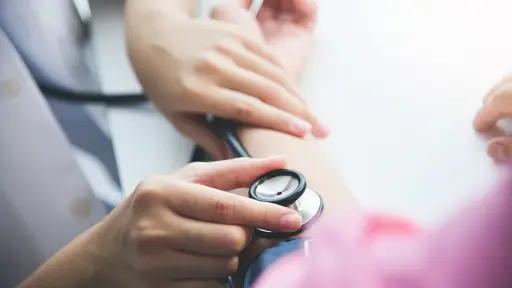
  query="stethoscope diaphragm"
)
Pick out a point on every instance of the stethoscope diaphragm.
point(287, 188)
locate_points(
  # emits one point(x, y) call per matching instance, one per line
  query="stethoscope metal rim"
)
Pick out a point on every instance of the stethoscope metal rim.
point(293, 201)
point(305, 224)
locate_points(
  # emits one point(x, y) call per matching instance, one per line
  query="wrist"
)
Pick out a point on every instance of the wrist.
point(79, 264)
point(91, 249)
point(109, 255)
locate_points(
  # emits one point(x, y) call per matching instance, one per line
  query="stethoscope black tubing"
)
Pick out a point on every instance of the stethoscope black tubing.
point(64, 94)
point(226, 129)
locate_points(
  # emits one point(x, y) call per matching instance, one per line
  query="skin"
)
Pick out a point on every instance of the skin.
point(496, 106)
point(148, 240)
point(222, 70)
point(321, 175)
point(178, 230)
point(149, 233)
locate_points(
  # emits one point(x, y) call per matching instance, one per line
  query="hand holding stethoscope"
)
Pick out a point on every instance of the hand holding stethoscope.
point(284, 187)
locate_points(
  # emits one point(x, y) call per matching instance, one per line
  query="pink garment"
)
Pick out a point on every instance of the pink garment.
point(472, 250)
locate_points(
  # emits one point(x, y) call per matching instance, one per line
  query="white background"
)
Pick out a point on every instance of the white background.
point(398, 81)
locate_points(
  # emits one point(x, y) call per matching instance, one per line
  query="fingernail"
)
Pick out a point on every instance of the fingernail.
point(499, 153)
point(291, 222)
point(321, 130)
point(300, 126)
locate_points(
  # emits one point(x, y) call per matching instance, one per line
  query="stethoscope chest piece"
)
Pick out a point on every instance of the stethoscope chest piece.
point(287, 188)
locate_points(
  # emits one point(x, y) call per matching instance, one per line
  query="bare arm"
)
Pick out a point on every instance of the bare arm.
point(76, 265)
point(305, 155)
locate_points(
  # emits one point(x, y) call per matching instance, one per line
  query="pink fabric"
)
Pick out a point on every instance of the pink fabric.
point(472, 250)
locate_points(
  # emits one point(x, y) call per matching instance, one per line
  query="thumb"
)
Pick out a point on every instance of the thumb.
point(239, 16)
point(196, 129)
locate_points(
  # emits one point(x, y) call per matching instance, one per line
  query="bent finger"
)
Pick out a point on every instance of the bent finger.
point(208, 204)
point(209, 238)
point(499, 106)
point(230, 174)
point(500, 149)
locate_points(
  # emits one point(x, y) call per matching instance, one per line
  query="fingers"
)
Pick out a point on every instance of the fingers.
point(259, 65)
point(209, 238)
point(230, 174)
point(249, 26)
point(259, 48)
point(500, 149)
point(497, 106)
point(196, 129)
point(238, 15)
point(257, 73)
point(207, 204)
point(265, 81)
point(240, 107)
point(176, 265)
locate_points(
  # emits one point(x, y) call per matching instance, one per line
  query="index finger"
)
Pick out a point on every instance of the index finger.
point(230, 174)
point(211, 205)
point(498, 106)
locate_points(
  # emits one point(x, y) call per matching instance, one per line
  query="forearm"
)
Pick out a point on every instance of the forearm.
point(305, 155)
point(74, 266)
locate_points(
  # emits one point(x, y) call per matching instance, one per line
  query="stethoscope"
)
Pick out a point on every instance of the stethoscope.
point(284, 187)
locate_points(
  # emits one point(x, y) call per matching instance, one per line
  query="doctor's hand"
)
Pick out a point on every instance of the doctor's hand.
point(184, 230)
point(192, 67)
point(497, 105)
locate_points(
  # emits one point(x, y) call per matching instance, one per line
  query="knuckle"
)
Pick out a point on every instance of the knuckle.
point(243, 109)
point(225, 208)
point(148, 191)
point(210, 61)
point(236, 239)
point(190, 85)
point(231, 266)
point(225, 45)
point(277, 91)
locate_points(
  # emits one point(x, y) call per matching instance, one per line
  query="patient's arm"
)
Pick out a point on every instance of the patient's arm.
point(308, 157)
point(305, 155)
